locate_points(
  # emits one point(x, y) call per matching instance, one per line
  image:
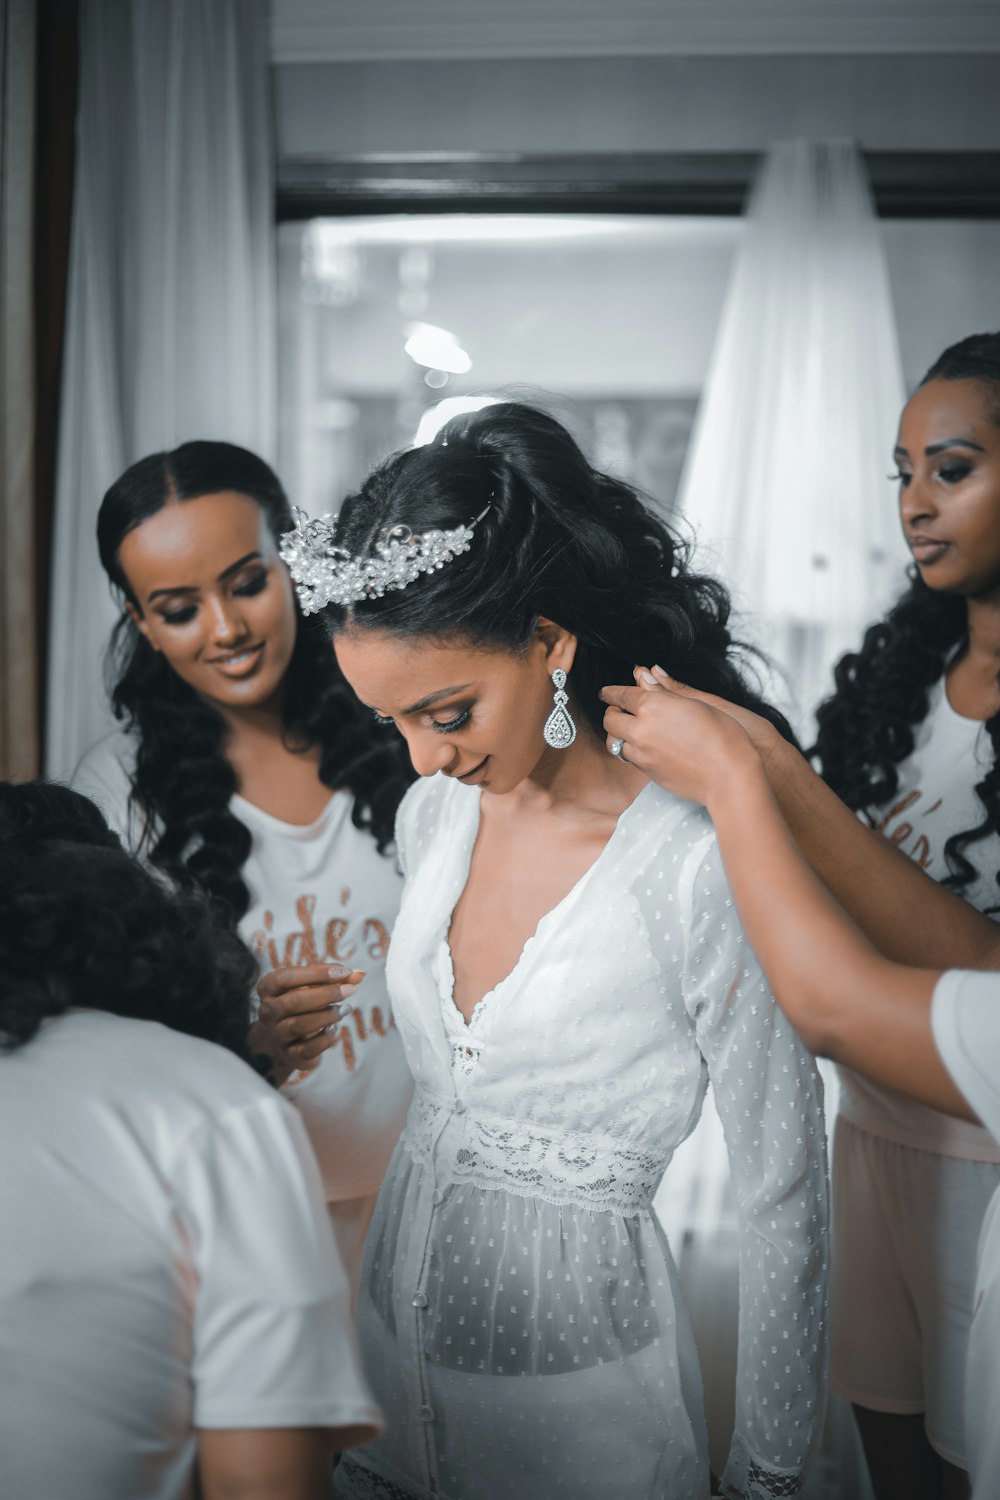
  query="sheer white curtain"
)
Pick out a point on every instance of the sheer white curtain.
point(170, 318)
point(786, 487)
point(18, 663)
point(785, 481)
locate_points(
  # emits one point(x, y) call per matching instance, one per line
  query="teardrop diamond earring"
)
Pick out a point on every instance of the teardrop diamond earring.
point(560, 731)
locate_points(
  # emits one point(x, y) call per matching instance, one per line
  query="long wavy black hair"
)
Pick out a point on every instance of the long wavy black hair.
point(558, 539)
point(882, 692)
point(182, 782)
point(83, 924)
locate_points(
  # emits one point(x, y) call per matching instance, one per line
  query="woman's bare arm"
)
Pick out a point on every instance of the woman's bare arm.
point(846, 1000)
point(272, 1463)
point(907, 915)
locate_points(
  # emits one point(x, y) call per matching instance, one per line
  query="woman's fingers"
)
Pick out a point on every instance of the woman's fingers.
point(280, 997)
point(683, 739)
point(299, 1028)
point(626, 699)
point(304, 1053)
point(316, 997)
point(281, 981)
point(300, 1010)
point(618, 724)
point(760, 730)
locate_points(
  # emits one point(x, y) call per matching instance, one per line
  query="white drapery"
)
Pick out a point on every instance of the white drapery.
point(170, 316)
point(18, 698)
point(785, 481)
point(785, 485)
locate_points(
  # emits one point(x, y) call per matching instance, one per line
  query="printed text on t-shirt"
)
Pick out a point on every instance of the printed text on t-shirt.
point(901, 832)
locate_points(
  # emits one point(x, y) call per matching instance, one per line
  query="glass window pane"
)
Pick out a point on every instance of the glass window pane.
point(608, 321)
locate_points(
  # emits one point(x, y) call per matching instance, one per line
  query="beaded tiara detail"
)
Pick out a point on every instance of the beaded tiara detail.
point(325, 573)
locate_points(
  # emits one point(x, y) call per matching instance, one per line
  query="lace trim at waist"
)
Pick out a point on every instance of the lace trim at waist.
point(463, 1145)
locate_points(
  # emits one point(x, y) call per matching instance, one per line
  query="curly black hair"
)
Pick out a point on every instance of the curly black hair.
point(182, 781)
point(83, 924)
point(882, 692)
point(558, 539)
point(47, 809)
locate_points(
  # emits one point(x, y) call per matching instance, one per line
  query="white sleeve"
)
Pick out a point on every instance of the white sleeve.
point(104, 775)
point(965, 1016)
point(769, 1097)
point(273, 1337)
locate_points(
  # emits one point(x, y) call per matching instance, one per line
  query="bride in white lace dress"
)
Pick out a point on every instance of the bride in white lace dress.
point(567, 973)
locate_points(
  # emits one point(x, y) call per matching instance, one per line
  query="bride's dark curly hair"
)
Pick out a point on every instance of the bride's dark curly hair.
point(882, 692)
point(558, 539)
point(183, 782)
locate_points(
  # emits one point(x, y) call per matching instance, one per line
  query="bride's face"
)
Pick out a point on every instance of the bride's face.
point(472, 713)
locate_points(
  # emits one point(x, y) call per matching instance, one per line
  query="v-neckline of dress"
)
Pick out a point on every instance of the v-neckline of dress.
point(445, 967)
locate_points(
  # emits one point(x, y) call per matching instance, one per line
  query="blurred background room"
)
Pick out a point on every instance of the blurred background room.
point(720, 238)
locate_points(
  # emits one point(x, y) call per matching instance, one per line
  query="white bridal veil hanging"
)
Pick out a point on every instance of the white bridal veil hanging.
point(785, 487)
point(785, 482)
point(169, 330)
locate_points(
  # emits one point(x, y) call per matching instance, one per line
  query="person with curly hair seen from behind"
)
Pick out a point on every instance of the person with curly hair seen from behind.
point(246, 769)
point(173, 1316)
point(909, 740)
point(567, 974)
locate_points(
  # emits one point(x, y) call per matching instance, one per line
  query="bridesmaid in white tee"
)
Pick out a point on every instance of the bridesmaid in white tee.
point(245, 767)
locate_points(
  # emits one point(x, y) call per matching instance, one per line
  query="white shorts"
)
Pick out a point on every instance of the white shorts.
point(906, 1228)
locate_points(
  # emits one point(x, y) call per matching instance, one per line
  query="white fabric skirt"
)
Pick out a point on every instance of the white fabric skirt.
point(522, 1348)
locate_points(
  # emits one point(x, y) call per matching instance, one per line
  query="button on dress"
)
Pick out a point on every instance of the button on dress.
point(520, 1315)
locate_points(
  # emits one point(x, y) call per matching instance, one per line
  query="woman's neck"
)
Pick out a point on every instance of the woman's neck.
point(272, 771)
point(585, 777)
point(973, 679)
point(258, 721)
point(984, 627)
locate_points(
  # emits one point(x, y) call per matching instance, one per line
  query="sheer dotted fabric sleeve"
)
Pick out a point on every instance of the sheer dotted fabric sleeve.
point(769, 1097)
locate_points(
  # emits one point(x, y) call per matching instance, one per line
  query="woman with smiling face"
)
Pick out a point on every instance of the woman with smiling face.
point(909, 740)
point(567, 974)
point(246, 769)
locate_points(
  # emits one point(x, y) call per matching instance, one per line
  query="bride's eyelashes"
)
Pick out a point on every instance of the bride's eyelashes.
point(449, 726)
point(453, 725)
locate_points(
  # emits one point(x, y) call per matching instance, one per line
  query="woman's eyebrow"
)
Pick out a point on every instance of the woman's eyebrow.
point(415, 708)
point(190, 588)
point(900, 452)
point(953, 443)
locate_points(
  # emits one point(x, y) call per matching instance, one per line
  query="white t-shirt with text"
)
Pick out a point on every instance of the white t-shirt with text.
point(318, 893)
point(936, 799)
point(167, 1263)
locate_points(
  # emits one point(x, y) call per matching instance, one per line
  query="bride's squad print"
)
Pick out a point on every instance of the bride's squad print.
point(318, 938)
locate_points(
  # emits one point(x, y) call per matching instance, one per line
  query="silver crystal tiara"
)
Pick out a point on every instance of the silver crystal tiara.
point(325, 573)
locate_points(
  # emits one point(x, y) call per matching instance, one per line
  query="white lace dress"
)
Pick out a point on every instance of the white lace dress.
point(520, 1315)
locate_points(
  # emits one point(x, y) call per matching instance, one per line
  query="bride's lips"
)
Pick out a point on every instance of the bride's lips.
point(469, 776)
point(926, 549)
point(238, 664)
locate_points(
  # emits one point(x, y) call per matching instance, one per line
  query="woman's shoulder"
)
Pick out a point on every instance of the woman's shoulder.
point(117, 746)
point(666, 820)
point(104, 774)
point(109, 764)
point(670, 852)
